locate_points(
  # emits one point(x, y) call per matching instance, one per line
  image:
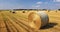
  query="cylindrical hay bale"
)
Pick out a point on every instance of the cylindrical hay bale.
point(56, 10)
point(10, 11)
point(13, 12)
point(38, 19)
point(23, 11)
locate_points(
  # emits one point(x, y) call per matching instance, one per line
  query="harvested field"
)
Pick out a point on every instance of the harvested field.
point(18, 22)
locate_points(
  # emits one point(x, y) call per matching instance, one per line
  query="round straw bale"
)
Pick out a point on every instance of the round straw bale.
point(23, 11)
point(10, 11)
point(38, 19)
point(13, 12)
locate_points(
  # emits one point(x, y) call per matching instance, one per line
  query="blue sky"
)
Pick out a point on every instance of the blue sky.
point(29, 4)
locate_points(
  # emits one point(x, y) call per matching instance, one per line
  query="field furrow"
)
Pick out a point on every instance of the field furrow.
point(21, 23)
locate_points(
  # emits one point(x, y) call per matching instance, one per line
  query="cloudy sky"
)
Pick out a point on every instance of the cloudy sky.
point(29, 4)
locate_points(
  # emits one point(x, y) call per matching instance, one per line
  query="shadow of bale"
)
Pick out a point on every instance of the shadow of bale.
point(49, 25)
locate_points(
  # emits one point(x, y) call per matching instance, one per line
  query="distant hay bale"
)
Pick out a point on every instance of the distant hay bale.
point(38, 19)
point(10, 11)
point(23, 11)
point(56, 10)
point(13, 12)
point(0, 10)
point(48, 10)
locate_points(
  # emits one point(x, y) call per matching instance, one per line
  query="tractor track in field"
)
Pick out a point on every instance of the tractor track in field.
point(14, 26)
point(2, 24)
point(10, 27)
point(23, 17)
point(18, 22)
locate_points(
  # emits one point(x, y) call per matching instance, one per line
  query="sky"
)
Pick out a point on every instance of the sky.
point(29, 4)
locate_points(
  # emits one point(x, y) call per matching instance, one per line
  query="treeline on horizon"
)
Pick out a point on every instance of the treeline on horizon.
point(24, 9)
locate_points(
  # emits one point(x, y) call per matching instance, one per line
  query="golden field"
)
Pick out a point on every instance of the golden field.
point(18, 22)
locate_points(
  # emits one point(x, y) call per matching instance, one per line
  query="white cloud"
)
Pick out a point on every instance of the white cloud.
point(37, 6)
point(39, 3)
point(56, 0)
